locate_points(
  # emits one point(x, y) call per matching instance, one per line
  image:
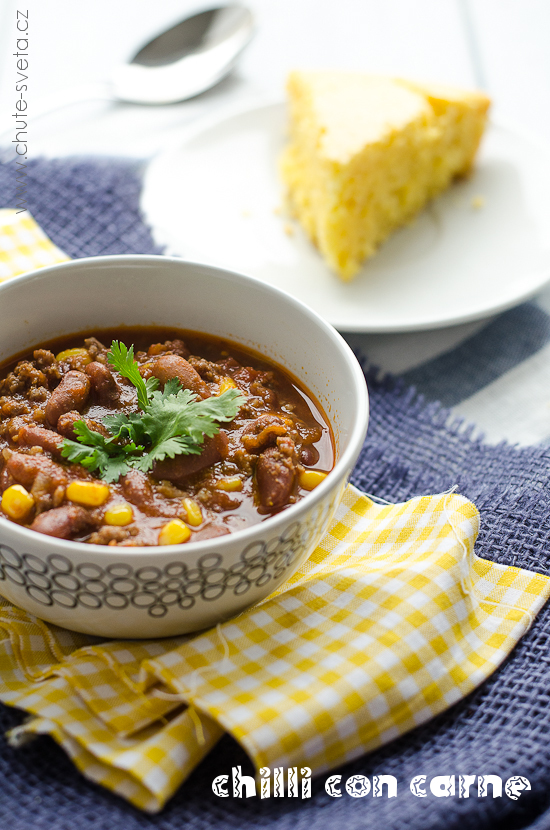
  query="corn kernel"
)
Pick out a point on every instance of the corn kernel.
point(119, 515)
point(174, 532)
point(227, 383)
point(89, 493)
point(230, 484)
point(82, 353)
point(17, 502)
point(193, 511)
point(309, 479)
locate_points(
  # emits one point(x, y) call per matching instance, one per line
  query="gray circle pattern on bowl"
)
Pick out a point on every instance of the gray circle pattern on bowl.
point(57, 581)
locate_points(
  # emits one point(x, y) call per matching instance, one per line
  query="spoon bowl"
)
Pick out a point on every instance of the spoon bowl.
point(186, 59)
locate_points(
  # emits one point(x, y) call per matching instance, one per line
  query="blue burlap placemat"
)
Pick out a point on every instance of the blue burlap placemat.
point(413, 447)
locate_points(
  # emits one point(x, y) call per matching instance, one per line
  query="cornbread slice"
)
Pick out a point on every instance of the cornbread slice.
point(366, 153)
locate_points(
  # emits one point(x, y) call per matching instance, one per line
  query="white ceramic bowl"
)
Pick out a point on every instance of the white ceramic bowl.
point(169, 590)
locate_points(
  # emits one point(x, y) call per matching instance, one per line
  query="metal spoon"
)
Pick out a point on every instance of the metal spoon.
point(185, 60)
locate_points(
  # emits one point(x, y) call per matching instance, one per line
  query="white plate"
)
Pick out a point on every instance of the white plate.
point(215, 200)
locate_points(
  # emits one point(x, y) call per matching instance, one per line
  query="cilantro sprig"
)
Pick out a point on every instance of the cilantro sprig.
point(172, 422)
point(122, 359)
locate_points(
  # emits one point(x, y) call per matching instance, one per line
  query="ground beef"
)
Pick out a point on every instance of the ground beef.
point(245, 472)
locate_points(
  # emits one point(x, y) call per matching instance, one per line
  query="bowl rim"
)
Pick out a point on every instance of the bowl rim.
point(355, 438)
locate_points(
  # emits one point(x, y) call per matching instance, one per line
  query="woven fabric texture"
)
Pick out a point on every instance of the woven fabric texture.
point(412, 449)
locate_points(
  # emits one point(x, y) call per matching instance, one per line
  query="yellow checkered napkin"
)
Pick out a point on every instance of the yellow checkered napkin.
point(391, 621)
point(23, 245)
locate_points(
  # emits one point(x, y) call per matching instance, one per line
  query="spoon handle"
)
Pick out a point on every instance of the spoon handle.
point(96, 91)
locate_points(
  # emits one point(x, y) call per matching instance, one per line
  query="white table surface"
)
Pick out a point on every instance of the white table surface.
point(501, 45)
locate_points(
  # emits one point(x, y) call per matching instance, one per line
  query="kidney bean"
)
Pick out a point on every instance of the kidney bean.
point(103, 384)
point(63, 522)
point(178, 469)
point(170, 366)
point(66, 422)
point(25, 468)
point(275, 474)
point(72, 393)
point(309, 456)
point(35, 436)
point(137, 489)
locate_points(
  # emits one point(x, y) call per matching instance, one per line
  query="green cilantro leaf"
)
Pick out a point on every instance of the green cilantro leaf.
point(177, 423)
point(80, 454)
point(172, 422)
point(114, 468)
point(122, 426)
point(169, 448)
point(90, 436)
point(170, 414)
point(122, 359)
point(95, 458)
point(151, 384)
point(95, 452)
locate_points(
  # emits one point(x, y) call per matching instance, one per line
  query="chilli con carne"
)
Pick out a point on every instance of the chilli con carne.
point(108, 447)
